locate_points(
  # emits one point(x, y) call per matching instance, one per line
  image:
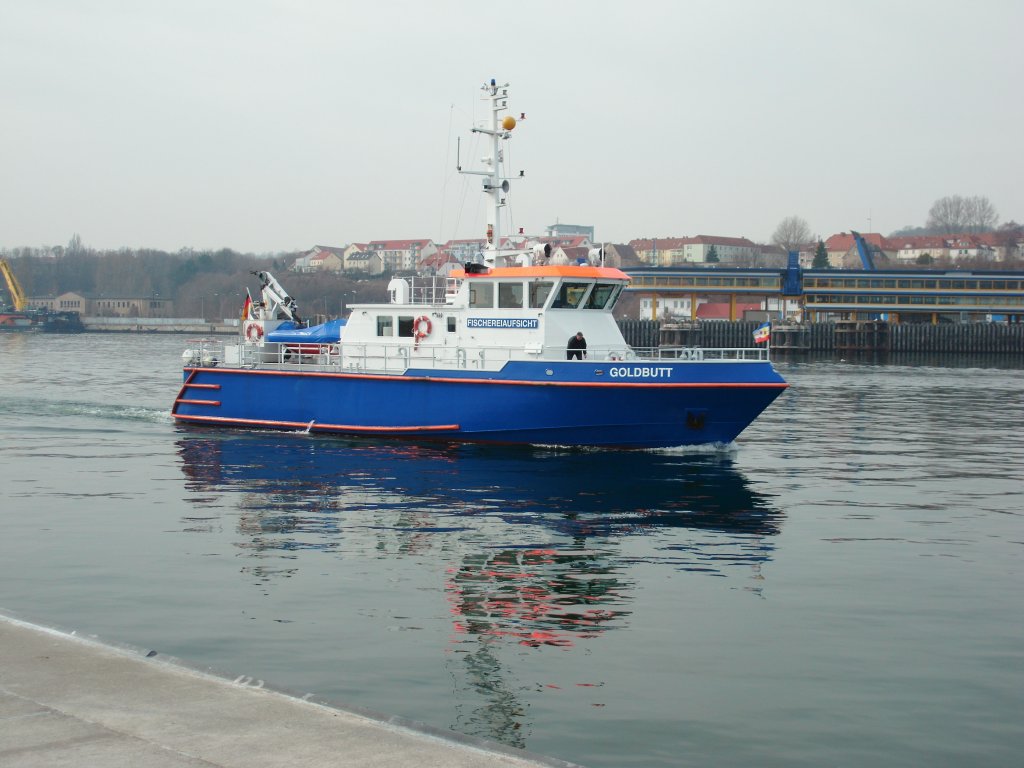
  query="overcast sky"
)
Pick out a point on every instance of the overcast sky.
point(274, 125)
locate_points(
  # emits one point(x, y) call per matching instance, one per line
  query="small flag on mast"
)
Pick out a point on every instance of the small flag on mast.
point(762, 333)
point(247, 308)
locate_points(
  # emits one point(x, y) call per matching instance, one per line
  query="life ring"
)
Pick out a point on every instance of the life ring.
point(254, 332)
point(421, 328)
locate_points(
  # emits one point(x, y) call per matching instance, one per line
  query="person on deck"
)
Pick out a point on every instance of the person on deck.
point(577, 347)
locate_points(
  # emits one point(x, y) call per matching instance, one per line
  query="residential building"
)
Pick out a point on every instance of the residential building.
point(971, 247)
point(321, 258)
point(985, 246)
point(325, 259)
point(402, 255)
point(368, 262)
point(676, 251)
point(659, 251)
point(910, 248)
point(728, 249)
point(358, 258)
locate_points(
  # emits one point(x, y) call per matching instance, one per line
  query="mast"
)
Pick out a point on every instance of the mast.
point(496, 184)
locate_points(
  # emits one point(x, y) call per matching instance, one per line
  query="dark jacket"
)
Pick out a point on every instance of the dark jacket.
point(577, 347)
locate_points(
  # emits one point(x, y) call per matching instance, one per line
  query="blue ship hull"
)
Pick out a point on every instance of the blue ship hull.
point(626, 405)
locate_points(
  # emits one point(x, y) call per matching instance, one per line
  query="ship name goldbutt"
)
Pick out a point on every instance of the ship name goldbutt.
point(641, 372)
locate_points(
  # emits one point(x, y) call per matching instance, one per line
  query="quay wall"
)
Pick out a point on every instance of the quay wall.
point(158, 325)
point(964, 338)
point(968, 337)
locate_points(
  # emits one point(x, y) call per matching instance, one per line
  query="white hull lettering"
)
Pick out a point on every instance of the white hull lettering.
point(501, 322)
point(641, 372)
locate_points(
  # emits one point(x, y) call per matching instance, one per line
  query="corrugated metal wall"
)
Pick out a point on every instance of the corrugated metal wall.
point(904, 337)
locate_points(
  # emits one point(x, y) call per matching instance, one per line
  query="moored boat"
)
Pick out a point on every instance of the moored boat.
point(42, 320)
point(509, 349)
point(19, 316)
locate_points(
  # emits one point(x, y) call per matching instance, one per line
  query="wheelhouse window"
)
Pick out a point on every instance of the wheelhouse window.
point(510, 295)
point(385, 325)
point(603, 296)
point(539, 293)
point(481, 295)
point(405, 325)
point(570, 295)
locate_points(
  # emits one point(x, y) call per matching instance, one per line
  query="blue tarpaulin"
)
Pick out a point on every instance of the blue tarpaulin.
point(326, 333)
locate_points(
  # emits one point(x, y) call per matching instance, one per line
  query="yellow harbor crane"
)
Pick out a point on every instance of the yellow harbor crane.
point(13, 287)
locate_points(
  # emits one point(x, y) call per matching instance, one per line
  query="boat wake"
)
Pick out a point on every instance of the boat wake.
point(705, 449)
point(711, 449)
point(65, 408)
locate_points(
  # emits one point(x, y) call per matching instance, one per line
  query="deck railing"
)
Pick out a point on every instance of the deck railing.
point(394, 357)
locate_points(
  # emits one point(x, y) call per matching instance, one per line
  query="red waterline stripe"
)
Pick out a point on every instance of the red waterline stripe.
point(204, 386)
point(315, 425)
point(198, 402)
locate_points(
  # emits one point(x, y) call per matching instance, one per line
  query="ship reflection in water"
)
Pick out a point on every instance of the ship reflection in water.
point(533, 547)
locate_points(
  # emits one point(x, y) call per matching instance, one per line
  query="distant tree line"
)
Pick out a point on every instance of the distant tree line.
point(958, 215)
point(200, 283)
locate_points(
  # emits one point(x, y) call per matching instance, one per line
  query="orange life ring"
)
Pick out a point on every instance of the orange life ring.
point(254, 332)
point(418, 328)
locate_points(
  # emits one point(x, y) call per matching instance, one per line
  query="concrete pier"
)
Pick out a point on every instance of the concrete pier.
point(70, 700)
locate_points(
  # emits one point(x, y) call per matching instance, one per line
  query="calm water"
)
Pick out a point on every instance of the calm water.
point(841, 588)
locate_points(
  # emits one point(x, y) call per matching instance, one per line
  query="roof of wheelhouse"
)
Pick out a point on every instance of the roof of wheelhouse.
point(607, 273)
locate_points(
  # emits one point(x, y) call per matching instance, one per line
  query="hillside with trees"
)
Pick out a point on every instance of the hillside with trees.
point(201, 283)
